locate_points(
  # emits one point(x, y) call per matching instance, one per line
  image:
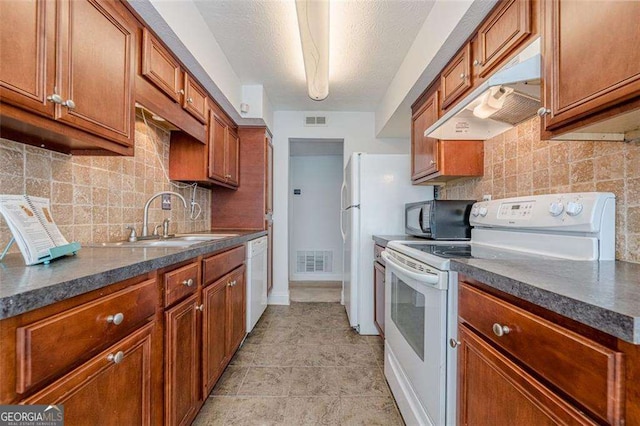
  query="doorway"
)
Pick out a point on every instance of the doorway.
point(315, 242)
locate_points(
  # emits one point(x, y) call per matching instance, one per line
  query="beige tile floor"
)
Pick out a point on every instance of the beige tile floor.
point(315, 291)
point(303, 365)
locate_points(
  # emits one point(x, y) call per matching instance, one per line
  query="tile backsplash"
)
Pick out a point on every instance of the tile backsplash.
point(518, 163)
point(93, 198)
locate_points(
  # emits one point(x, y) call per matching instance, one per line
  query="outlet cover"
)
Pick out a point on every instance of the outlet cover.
point(166, 202)
point(486, 197)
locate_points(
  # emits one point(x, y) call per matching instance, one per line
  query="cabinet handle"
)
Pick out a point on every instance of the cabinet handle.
point(200, 308)
point(190, 100)
point(181, 91)
point(500, 330)
point(544, 111)
point(188, 282)
point(462, 76)
point(69, 104)
point(55, 98)
point(476, 63)
point(231, 283)
point(117, 358)
point(116, 319)
point(454, 343)
point(432, 162)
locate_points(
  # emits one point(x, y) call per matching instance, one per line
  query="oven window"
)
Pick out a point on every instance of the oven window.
point(407, 312)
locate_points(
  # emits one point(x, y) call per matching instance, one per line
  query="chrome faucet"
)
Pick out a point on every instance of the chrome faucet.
point(145, 221)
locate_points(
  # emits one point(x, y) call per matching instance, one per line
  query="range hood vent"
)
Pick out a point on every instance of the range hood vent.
point(507, 98)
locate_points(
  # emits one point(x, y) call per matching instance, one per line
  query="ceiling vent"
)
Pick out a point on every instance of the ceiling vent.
point(315, 121)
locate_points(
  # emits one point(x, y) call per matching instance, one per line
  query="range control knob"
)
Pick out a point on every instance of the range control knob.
point(475, 211)
point(556, 208)
point(574, 208)
point(483, 211)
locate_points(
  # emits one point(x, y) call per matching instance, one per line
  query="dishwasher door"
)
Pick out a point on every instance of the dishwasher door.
point(256, 280)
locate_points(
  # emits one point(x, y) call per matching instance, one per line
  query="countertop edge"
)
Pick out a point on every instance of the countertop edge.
point(30, 300)
point(622, 326)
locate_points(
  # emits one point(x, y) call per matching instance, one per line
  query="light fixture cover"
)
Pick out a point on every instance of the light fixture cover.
point(313, 22)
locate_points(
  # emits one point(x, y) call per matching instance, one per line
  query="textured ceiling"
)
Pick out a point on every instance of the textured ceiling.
point(369, 40)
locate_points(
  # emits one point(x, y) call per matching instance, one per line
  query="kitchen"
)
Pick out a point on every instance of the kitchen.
point(184, 115)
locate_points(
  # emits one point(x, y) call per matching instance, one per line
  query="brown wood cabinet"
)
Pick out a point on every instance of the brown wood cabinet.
point(63, 49)
point(269, 225)
point(378, 293)
point(501, 33)
point(424, 150)
point(214, 333)
point(182, 356)
point(493, 390)
point(112, 388)
point(160, 67)
point(194, 99)
point(434, 160)
point(236, 310)
point(223, 152)
point(529, 366)
point(455, 79)
point(591, 61)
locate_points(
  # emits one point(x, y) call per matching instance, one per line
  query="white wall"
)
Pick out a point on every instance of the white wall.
point(315, 213)
point(358, 131)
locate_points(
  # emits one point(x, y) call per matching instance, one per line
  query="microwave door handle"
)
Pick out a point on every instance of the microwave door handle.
point(420, 221)
point(422, 277)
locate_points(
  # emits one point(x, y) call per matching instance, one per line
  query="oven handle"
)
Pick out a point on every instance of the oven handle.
point(422, 277)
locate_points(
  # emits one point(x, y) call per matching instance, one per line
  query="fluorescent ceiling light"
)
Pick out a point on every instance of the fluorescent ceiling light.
point(313, 21)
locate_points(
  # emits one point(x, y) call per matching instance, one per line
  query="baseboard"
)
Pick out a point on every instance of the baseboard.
point(278, 298)
point(315, 277)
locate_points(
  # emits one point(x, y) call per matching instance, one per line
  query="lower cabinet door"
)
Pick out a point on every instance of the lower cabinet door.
point(214, 333)
point(237, 310)
point(114, 388)
point(182, 362)
point(492, 390)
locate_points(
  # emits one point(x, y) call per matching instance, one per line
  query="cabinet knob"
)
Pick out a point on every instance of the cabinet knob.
point(181, 91)
point(462, 76)
point(200, 308)
point(190, 100)
point(188, 282)
point(116, 319)
point(476, 63)
point(454, 343)
point(543, 111)
point(500, 330)
point(55, 98)
point(116, 358)
point(69, 104)
point(432, 162)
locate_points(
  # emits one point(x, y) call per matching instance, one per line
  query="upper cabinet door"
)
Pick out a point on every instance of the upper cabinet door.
point(591, 57)
point(195, 99)
point(456, 77)
point(27, 54)
point(503, 31)
point(159, 66)
point(97, 70)
point(217, 142)
point(232, 159)
point(424, 150)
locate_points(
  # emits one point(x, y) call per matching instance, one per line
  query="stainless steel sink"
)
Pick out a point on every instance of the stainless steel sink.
point(180, 240)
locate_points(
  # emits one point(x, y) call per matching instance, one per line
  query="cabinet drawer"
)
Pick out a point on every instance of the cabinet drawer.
point(216, 266)
point(180, 283)
point(47, 348)
point(588, 372)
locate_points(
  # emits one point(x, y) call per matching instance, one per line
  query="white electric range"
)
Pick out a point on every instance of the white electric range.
point(421, 290)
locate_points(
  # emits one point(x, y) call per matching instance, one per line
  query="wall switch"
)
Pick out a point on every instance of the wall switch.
point(166, 202)
point(486, 197)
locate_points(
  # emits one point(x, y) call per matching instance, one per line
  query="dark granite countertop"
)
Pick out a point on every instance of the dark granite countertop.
point(25, 288)
point(604, 295)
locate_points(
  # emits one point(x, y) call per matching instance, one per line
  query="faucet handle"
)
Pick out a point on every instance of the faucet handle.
point(155, 230)
point(133, 236)
point(165, 228)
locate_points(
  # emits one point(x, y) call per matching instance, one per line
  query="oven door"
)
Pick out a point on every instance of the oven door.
point(415, 341)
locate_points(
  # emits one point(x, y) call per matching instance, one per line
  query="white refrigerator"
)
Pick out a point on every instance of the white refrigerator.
point(374, 192)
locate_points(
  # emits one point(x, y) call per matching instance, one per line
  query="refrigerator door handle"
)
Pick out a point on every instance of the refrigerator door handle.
point(344, 186)
point(353, 206)
point(344, 236)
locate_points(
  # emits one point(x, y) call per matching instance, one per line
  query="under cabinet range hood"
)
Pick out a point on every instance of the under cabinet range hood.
point(509, 97)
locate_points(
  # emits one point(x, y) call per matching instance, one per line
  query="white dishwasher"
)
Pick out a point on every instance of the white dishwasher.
point(256, 280)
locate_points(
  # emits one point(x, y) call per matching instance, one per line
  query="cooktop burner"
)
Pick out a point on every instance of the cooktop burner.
point(441, 250)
